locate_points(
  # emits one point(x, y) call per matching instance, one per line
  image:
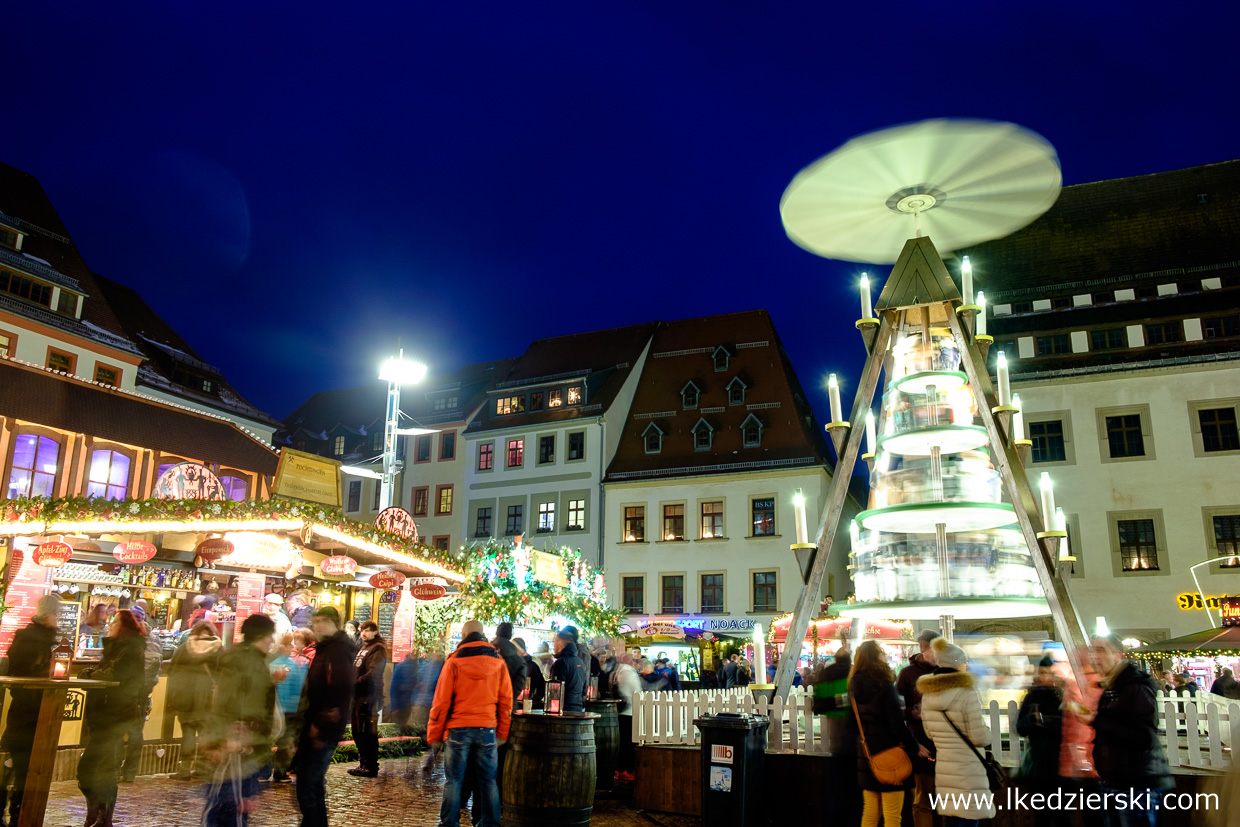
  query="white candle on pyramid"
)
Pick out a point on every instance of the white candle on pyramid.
point(833, 390)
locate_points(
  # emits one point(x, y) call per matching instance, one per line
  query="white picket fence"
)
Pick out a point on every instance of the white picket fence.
point(1199, 737)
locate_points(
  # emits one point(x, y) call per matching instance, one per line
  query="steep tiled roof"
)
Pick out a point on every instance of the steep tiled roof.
point(682, 353)
point(1122, 228)
point(54, 400)
point(599, 359)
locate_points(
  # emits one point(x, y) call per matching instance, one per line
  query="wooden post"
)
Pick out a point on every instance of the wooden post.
point(1004, 454)
point(43, 755)
point(809, 600)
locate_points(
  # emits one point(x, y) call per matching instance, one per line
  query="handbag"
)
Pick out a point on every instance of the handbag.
point(890, 767)
point(995, 779)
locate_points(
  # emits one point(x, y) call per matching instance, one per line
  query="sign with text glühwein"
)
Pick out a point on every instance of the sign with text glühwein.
point(308, 477)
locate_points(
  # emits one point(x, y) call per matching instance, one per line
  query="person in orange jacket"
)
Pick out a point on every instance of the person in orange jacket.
point(472, 711)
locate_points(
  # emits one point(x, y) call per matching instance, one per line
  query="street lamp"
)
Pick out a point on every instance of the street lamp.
point(396, 372)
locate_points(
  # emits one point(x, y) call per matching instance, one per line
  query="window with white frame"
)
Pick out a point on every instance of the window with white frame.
point(546, 517)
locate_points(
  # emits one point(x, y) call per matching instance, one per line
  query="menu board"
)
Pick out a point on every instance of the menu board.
point(159, 614)
point(27, 583)
point(402, 628)
point(67, 623)
point(361, 605)
point(250, 596)
point(388, 602)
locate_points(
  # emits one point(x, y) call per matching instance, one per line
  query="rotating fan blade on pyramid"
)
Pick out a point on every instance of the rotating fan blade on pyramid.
point(951, 529)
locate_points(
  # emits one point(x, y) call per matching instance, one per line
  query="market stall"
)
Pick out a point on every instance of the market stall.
point(825, 635)
point(692, 651)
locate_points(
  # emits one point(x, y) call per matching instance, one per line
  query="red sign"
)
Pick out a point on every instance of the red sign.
point(251, 589)
point(402, 627)
point(51, 555)
point(428, 591)
point(338, 565)
point(133, 551)
point(387, 580)
point(28, 583)
point(398, 521)
point(214, 548)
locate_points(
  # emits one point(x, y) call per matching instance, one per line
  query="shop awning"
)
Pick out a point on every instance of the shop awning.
point(1208, 643)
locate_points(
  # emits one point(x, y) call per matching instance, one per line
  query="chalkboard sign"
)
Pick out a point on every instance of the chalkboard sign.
point(388, 601)
point(67, 623)
point(361, 609)
point(159, 614)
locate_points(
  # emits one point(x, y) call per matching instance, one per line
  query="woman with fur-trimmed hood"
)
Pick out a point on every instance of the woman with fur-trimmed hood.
point(960, 780)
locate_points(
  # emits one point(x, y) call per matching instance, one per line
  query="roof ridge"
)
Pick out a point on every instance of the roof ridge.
point(1152, 174)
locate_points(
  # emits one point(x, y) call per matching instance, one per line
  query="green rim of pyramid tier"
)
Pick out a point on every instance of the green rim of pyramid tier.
point(950, 439)
point(942, 380)
point(921, 518)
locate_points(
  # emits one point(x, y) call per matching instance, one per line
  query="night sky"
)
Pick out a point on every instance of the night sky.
point(296, 185)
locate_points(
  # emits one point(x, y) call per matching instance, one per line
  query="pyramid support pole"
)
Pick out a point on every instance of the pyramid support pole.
point(1006, 459)
point(828, 525)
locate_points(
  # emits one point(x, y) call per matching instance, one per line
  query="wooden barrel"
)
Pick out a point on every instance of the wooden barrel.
point(549, 771)
point(606, 739)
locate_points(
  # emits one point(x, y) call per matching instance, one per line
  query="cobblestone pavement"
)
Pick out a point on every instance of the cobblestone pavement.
point(400, 795)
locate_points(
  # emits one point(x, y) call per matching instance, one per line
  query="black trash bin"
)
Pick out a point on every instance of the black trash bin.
point(733, 751)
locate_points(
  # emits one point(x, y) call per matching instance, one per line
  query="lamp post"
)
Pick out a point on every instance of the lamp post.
point(396, 372)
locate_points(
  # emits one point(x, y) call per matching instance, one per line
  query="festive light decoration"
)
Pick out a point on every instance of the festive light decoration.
point(93, 515)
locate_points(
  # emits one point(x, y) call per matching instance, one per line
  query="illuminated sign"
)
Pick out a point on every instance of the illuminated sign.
point(662, 630)
point(387, 580)
point(398, 521)
point(338, 565)
point(305, 476)
point(133, 551)
point(1192, 600)
point(548, 568)
point(428, 591)
point(51, 555)
point(1229, 607)
point(188, 481)
point(213, 548)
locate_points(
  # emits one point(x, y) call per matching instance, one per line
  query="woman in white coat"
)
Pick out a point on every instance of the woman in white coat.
point(960, 781)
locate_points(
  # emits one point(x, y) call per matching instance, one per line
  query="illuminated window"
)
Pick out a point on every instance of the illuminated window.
point(516, 453)
point(546, 517)
point(635, 524)
point(515, 514)
point(555, 399)
point(7, 341)
point(673, 593)
point(635, 594)
point(354, 503)
point(576, 445)
point(1227, 538)
point(35, 460)
point(764, 517)
point(105, 376)
point(574, 395)
point(712, 520)
point(109, 475)
point(483, 528)
point(486, 456)
point(653, 436)
point(338, 446)
point(376, 440)
point(509, 405)
point(765, 594)
point(421, 501)
point(712, 592)
point(1138, 547)
point(673, 522)
point(576, 515)
point(444, 504)
point(59, 360)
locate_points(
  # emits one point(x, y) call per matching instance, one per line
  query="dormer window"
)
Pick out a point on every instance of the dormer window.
point(751, 432)
point(736, 391)
point(555, 399)
point(689, 396)
point(653, 437)
point(574, 395)
point(10, 238)
point(25, 287)
point(721, 357)
point(703, 435)
point(446, 403)
point(509, 405)
point(338, 446)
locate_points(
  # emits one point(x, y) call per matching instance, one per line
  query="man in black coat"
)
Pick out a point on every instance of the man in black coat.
point(728, 675)
point(570, 672)
point(30, 656)
point(512, 660)
point(370, 663)
point(1128, 754)
point(326, 701)
point(923, 769)
point(1226, 686)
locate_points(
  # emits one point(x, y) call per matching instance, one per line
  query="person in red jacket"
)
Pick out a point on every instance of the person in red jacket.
point(472, 711)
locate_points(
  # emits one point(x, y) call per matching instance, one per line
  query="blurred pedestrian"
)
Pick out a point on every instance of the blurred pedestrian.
point(627, 685)
point(1185, 684)
point(203, 604)
point(370, 663)
point(728, 675)
point(353, 630)
point(300, 610)
point(920, 664)
point(152, 660)
point(879, 726)
point(424, 695)
point(1226, 686)
point(401, 692)
point(96, 620)
point(110, 713)
point(1127, 750)
point(325, 712)
point(30, 656)
point(1040, 721)
point(241, 726)
point(190, 692)
point(744, 672)
point(570, 672)
point(951, 711)
point(533, 675)
point(472, 711)
point(273, 607)
point(512, 658)
point(292, 660)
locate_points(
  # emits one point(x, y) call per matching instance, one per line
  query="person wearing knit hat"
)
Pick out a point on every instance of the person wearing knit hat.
point(919, 665)
point(30, 656)
point(951, 711)
point(153, 659)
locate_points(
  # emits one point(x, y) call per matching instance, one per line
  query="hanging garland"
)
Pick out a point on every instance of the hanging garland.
point(501, 586)
point(36, 512)
point(434, 618)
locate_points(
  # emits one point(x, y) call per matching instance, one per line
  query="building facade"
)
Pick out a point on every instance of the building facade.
point(1119, 312)
point(699, 498)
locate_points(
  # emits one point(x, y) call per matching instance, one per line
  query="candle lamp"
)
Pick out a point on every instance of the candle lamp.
point(798, 508)
point(966, 280)
point(555, 696)
point(870, 440)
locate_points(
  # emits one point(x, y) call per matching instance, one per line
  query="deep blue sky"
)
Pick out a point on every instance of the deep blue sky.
point(295, 185)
